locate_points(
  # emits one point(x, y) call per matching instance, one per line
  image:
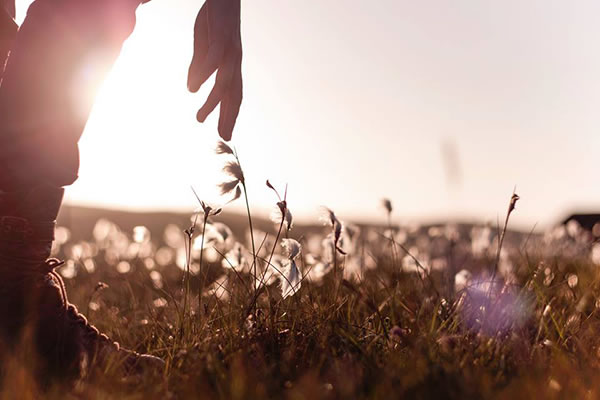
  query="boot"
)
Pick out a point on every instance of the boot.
point(33, 297)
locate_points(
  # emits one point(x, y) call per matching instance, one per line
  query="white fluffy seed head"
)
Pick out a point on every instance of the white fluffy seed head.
point(234, 170)
point(291, 279)
point(228, 187)
point(223, 148)
point(291, 247)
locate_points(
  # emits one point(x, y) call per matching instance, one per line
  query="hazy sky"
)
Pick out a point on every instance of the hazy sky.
point(350, 101)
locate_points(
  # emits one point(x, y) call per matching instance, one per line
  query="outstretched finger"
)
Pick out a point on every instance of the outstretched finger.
point(211, 102)
point(208, 66)
point(230, 104)
point(201, 42)
point(222, 83)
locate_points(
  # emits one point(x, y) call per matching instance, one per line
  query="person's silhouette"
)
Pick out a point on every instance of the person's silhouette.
point(41, 121)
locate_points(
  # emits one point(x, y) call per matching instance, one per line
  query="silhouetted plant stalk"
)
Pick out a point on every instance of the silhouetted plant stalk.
point(234, 170)
point(243, 181)
point(423, 272)
point(511, 207)
point(189, 233)
point(336, 232)
point(284, 217)
point(387, 205)
point(207, 212)
point(99, 286)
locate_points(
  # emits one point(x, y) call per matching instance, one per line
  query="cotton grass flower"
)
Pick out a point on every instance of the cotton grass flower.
point(228, 187)
point(272, 272)
point(206, 209)
point(291, 278)
point(223, 148)
point(235, 258)
point(292, 248)
point(348, 240)
point(141, 234)
point(281, 213)
point(216, 235)
point(331, 220)
point(223, 235)
point(233, 169)
point(462, 280)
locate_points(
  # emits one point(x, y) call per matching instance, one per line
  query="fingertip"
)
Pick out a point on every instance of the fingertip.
point(201, 116)
point(207, 108)
point(193, 87)
point(192, 82)
point(225, 134)
point(225, 128)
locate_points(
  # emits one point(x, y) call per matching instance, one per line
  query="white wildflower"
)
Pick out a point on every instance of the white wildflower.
point(235, 258)
point(292, 248)
point(277, 215)
point(462, 280)
point(292, 280)
point(141, 234)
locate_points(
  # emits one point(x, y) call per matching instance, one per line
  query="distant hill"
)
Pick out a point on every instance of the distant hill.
point(81, 221)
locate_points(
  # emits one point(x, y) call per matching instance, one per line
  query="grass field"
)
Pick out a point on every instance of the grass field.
point(336, 311)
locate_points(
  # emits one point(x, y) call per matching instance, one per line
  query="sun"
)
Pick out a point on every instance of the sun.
point(142, 147)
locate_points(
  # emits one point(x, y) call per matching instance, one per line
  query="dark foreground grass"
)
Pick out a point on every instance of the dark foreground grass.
point(373, 323)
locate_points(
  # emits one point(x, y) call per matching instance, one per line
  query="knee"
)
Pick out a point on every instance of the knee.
point(96, 20)
point(118, 19)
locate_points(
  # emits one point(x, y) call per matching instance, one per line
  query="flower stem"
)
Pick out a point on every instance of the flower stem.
point(186, 278)
point(201, 257)
point(251, 236)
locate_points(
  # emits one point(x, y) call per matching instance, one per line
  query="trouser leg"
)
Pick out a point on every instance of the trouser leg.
point(8, 30)
point(42, 116)
point(42, 110)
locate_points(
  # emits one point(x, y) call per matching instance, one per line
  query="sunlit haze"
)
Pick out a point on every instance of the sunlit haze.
point(443, 107)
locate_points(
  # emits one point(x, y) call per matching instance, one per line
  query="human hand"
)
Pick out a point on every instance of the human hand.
point(218, 47)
